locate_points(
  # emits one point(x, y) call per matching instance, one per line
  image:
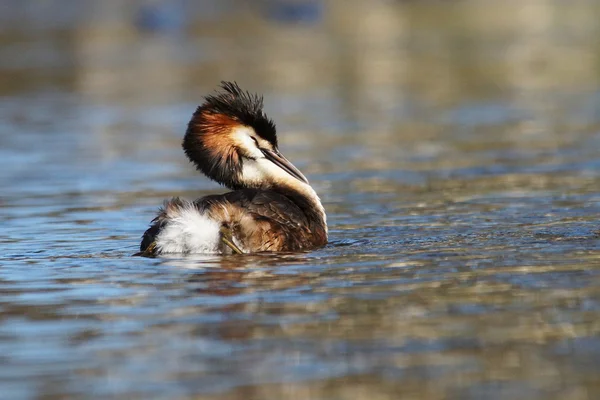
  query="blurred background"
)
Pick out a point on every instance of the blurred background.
point(453, 143)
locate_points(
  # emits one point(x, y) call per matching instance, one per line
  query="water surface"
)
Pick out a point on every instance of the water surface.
point(454, 146)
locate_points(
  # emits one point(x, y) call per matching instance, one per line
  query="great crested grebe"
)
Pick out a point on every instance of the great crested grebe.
point(272, 206)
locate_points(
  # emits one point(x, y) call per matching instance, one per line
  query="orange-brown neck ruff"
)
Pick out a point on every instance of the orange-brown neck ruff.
point(209, 146)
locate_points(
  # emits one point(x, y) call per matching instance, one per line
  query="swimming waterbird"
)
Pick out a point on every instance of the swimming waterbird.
point(271, 207)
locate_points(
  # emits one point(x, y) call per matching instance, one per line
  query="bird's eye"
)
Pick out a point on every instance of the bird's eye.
point(255, 141)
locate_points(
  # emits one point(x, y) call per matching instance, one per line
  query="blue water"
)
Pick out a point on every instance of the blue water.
point(462, 209)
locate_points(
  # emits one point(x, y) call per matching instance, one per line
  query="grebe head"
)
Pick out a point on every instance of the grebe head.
point(231, 140)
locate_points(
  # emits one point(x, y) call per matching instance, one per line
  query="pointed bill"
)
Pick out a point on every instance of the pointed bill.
point(278, 159)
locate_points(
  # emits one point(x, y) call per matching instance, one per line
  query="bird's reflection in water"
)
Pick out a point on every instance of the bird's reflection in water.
point(234, 275)
point(246, 295)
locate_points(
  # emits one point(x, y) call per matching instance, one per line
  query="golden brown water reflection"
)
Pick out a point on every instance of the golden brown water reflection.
point(454, 144)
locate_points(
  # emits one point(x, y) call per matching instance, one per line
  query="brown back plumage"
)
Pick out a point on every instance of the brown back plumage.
point(260, 220)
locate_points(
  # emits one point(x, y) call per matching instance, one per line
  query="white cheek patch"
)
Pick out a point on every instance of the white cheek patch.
point(264, 144)
point(242, 136)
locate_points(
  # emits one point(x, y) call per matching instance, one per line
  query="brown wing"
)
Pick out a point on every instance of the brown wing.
point(260, 220)
point(277, 208)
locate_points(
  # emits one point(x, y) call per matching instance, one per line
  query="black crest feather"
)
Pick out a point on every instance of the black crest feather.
point(242, 106)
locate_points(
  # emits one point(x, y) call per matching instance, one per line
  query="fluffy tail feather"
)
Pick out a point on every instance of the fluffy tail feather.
point(186, 227)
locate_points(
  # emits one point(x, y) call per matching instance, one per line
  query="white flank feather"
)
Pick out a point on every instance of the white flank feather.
point(189, 231)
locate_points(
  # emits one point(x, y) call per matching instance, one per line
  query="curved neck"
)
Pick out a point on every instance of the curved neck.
point(263, 174)
point(306, 198)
